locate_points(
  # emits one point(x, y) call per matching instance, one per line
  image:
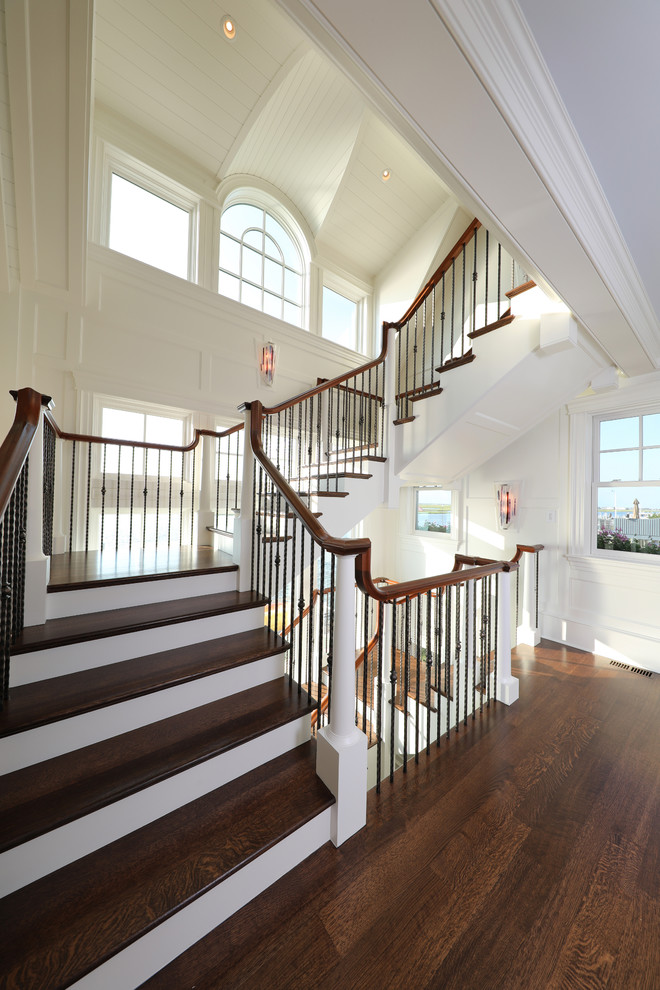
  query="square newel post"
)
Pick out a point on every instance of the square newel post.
point(527, 632)
point(37, 564)
point(243, 522)
point(507, 685)
point(341, 759)
point(206, 512)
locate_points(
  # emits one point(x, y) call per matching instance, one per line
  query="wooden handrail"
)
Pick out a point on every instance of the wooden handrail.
point(341, 547)
point(16, 445)
point(521, 549)
point(444, 267)
point(407, 589)
point(89, 438)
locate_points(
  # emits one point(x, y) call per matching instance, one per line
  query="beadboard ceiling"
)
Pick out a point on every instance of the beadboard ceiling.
point(267, 104)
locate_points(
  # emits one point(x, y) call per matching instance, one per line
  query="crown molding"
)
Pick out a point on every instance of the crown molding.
point(497, 42)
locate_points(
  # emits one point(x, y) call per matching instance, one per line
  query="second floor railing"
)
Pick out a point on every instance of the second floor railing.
point(110, 494)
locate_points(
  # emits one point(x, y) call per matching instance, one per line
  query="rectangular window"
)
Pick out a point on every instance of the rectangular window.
point(340, 319)
point(433, 510)
point(149, 228)
point(626, 495)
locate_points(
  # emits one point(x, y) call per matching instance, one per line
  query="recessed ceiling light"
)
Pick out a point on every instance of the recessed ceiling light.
point(385, 174)
point(229, 27)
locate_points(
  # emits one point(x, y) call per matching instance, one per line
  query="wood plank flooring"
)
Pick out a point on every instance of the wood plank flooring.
point(523, 855)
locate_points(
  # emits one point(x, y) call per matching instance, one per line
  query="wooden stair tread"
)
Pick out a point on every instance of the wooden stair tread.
point(60, 927)
point(458, 362)
point(96, 568)
point(42, 797)
point(405, 419)
point(502, 322)
point(45, 701)
point(114, 622)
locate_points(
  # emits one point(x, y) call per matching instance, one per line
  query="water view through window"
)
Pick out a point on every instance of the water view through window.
point(628, 492)
point(433, 510)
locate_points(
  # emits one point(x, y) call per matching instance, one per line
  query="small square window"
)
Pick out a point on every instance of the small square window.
point(148, 228)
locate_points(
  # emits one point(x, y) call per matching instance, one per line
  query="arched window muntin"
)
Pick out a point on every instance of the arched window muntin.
point(263, 259)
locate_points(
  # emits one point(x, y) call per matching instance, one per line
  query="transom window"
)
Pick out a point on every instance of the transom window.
point(260, 263)
point(627, 486)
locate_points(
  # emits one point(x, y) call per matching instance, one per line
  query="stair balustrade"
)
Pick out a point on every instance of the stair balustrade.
point(125, 495)
point(468, 295)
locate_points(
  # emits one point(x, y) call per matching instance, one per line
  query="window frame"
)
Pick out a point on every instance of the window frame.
point(284, 214)
point(117, 162)
point(451, 493)
point(354, 293)
point(638, 412)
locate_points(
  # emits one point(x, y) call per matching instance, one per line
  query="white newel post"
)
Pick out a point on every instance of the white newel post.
point(37, 565)
point(206, 513)
point(527, 632)
point(507, 686)
point(243, 522)
point(341, 760)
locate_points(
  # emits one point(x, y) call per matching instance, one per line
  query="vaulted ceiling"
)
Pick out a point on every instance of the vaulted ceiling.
point(268, 104)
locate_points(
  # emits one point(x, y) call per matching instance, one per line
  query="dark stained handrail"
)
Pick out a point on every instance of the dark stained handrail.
point(16, 445)
point(89, 438)
point(361, 548)
point(443, 268)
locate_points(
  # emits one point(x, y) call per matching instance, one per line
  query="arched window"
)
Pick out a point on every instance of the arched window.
point(261, 262)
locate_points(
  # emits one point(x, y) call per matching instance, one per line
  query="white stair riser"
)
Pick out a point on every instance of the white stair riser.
point(24, 749)
point(86, 600)
point(42, 664)
point(46, 853)
point(141, 960)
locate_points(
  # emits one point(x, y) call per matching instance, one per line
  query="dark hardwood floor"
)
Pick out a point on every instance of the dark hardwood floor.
point(523, 855)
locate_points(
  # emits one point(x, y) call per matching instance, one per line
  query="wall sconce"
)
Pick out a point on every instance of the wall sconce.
point(267, 362)
point(507, 503)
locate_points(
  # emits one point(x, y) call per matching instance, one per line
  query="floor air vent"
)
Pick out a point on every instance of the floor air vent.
point(633, 670)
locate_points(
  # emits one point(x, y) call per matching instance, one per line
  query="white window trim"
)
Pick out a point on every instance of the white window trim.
point(357, 294)
point(636, 399)
point(109, 160)
point(453, 494)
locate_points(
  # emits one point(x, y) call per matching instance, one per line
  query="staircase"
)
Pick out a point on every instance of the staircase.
point(158, 774)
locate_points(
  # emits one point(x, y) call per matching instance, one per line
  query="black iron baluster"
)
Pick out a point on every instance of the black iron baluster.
point(130, 511)
point(103, 493)
point(442, 322)
point(320, 639)
point(414, 381)
point(457, 660)
point(158, 495)
point(407, 400)
point(301, 608)
point(405, 687)
point(192, 497)
point(399, 411)
point(331, 655)
point(381, 449)
point(169, 506)
point(259, 517)
point(490, 643)
point(181, 491)
point(269, 543)
point(292, 601)
point(118, 491)
point(440, 598)
point(145, 492)
point(474, 285)
point(424, 346)
point(89, 494)
point(474, 648)
point(468, 585)
point(393, 679)
point(73, 475)
point(365, 659)
point(20, 495)
point(448, 629)
point(429, 666)
point(310, 624)
point(486, 321)
point(49, 487)
point(275, 548)
point(453, 309)
point(379, 699)
point(463, 255)
point(499, 279)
